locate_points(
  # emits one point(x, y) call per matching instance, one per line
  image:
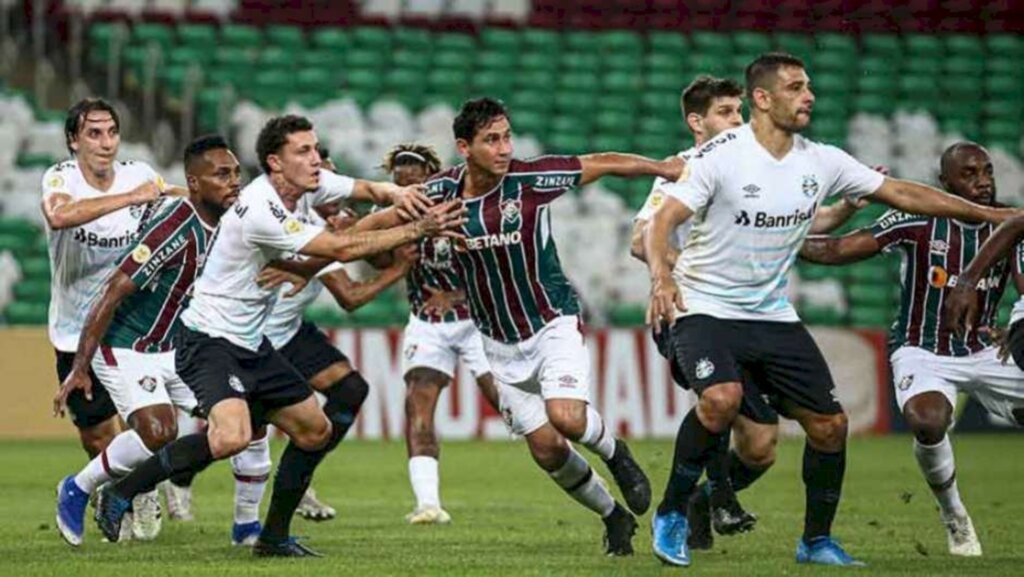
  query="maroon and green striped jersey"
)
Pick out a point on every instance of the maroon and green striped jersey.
point(163, 264)
point(934, 251)
point(436, 270)
point(509, 266)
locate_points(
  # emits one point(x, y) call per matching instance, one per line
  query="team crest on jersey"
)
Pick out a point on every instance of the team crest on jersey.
point(56, 181)
point(292, 226)
point(236, 384)
point(442, 249)
point(148, 384)
point(141, 254)
point(704, 369)
point(905, 383)
point(810, 185)
point(510, 209)
point(938, 247)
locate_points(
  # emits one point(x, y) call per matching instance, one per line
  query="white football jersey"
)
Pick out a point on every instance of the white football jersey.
point(656, 197)
point(286, 316)
point(227, 302)
point(751, 215)
point(83, 257)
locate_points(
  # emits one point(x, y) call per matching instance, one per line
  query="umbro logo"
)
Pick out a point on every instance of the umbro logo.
point(752, 190)
point(743, 219)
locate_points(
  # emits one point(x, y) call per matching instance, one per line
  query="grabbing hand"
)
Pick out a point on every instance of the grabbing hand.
point(443, 219)
point(961, 308)
point(271, 278)
point(411, 201)
point(665, 301)
point(76, 380)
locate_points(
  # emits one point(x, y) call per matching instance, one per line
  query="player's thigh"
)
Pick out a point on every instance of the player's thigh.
point(791, 366)
point(316, 358)
point(563, 371)
point(304, 422)
point(134, 380)
point(423, 387)
point(428, 345)
point(704, 350)
point(229, 427)
point(95, 419)
point(916, 371)
point(755, 441)
point(211, 368)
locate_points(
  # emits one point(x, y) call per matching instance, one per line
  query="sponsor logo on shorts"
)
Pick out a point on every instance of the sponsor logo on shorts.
point(148, 384)
point(704, 369)
point(410, 351)
point(567, 382)
point(905, 383)
point(236, 384)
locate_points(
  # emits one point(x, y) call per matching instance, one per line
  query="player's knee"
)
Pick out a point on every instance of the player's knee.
point(569, 418)
point(827, 432)
point(155, 432)
point(228, 442)
point(719, 405)
point(314, 438)
point(548, 449)
point(929, 421)
point(758, 452)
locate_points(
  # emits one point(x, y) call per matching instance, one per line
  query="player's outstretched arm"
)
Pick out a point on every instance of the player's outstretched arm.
point(97, 322)
point(439, 220)
point(852, 247)
point(665, 297)
point(829, 218)
point(351, 295)
point(62, 211)
point(617, 164)
point(410, 199)
point(961, 303)
point(916, 198)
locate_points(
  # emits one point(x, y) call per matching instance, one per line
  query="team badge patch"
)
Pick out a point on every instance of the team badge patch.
point(510, 209)
point(656, 199)
point(905, 383)
point(292, 226)
point(442, 248)
point(236, 384)
point(141, 254)
point(810, 185)
point(704, 369)
point(938, 247)
point(148, 384)
point(55, 181)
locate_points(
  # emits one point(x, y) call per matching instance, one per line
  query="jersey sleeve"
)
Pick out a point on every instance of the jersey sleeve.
point(697, 186)
point(852, 179)
point(55, 181)
point(162, 238)
point(333, 187)
point(655, 198)
point(895, 228)
point(269, 225)
point(551, 176)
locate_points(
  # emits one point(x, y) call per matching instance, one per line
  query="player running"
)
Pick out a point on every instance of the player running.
point(93, 205)
point(756, 190)
point(221, 352)
point(528, 312)
point(711, 106)
point(438, 335)
point(131, 327)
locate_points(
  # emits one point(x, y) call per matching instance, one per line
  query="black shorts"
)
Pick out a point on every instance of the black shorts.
point(756, 406)
point(776, 359)
point(310, 351)
point(1015, 342)
point(216, 369)
point(85, 414)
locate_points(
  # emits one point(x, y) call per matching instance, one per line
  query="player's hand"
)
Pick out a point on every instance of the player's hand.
point(440, 302)
point(673, 168)
point(1000, 338)
point(145, 192)
point(961, 308)
point(857, 204)
point(407, 255)
point(411, 200)
point(443, 219)
point(665, 301)
point(271, 278)
point(76, 380)
point(343, 220)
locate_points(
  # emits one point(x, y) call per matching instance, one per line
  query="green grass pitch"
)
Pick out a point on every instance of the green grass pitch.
point(509, 519)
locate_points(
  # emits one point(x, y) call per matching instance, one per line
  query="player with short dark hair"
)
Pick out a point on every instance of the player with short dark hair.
point(528, 312)
point(757, 189)
point(931, 362)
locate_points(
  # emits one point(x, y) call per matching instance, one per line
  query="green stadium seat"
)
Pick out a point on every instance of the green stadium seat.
point(137, 60)
point(16, 243)
point(999, 86)
point(820, 316)
point(211, 103)
point(21, 313)
point(869, 294)
point(660, 102)
point(568, 143)
point(455, 41)
point(497, 81)
point(712, 44)
point(926, 66)
point(971, 68)
point(234, 56)
point(998, 66)
point(410, 60)
point(535, 61)
point(923, 45)
point(569, 122)
point(371, 37)
point(579, 82)
point(276, 57)
point(530, 98)
point(620, 62)
point(151, 32)
point(751, 42)
point(967, 127)
point(316, 79)
point(285, 36)
point(535, 79)
point(1004, 46)
point(361, 79)
point(414, 39)
point(366, 59)
point(834, 42)
point(881, 45)
point(799, 45)
point(102, 36)
point(574, 103)
point(834, 61)
point(500, 39)
point(447, 80)
point(33, 291)
point(612, 143)
point(1001, 130)
point(665, 63)
point(580, 41)
point(1007, 110)
point(529, 122)
point(173, 79)
point(325, 316)
point(868, 272)
point(241, 35)
point(201, 36)
point(831, 83)
point(669, 43)
point(611, 101)
point(496, 60)
point(622, 82)
point(453, 59)
point(322, 58)
point(618, 42)
point(663, 82)
point(871, 317)
point(589, 62)
point(874, 84)
point(185, 56)
point(615, 122)
point(917, 87)
point(404, 78)
point(540, 40)
point(18, 226)
point(627, 315)
point(35, 268)
point(706, 63)
point(964, 46)
point(331, 38)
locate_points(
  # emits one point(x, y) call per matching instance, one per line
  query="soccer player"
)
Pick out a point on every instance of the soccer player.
point(756, 190)
point(528, 312)
point(439, 334)
point(131, 326)
point(93, 205)
point(710, 106)
point(221, 353)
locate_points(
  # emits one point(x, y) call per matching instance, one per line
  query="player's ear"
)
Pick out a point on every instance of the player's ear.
point(695, 122)
point(274, 162)
point(191, 182)
point(463, 147)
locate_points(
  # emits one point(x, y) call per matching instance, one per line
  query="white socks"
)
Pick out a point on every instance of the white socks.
point(426, 483)
point(123, 454)
point(583, 484)
point(936, 462)
point(252, 469)
point(597, 437)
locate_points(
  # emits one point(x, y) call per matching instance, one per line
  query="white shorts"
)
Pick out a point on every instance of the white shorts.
point(998, 387)
point(552, 364)
point(136, 380)
point(439, 346)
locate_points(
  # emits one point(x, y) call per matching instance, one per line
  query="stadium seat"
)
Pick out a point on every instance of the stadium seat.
point(331, 38)
point(799, 45)
point(241, 35)
point(500, 39)
point(150, 32)
point(288, 37)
